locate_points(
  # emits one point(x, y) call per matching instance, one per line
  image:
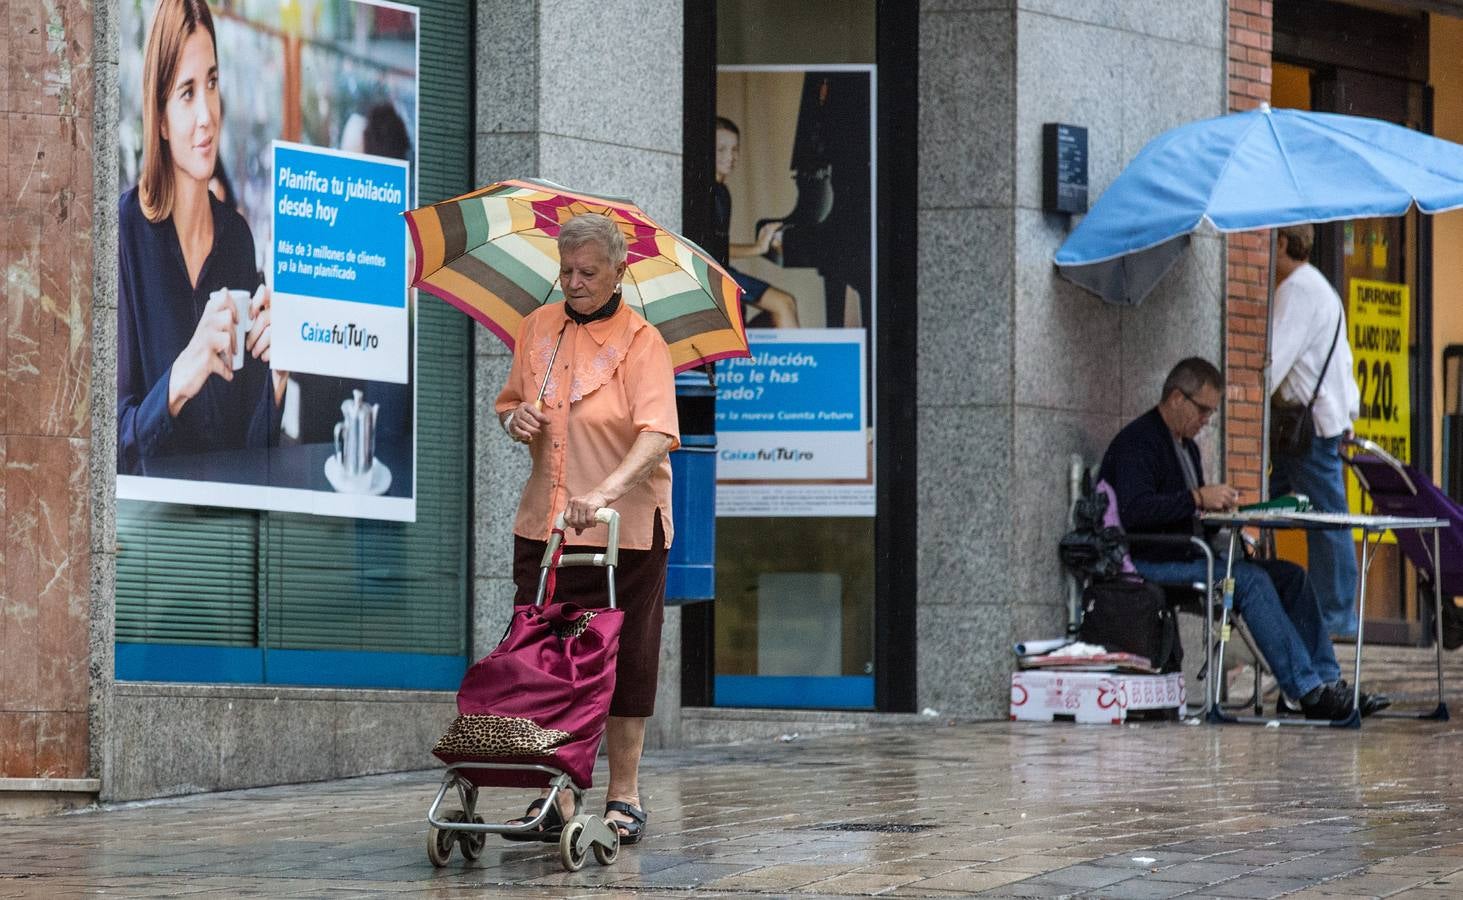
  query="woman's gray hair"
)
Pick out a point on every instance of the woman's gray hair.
point(593, 228)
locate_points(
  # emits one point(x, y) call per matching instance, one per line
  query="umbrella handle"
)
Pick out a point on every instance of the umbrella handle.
point(538, 403)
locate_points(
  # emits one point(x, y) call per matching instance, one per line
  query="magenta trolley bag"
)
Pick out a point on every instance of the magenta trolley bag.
point(531, 714)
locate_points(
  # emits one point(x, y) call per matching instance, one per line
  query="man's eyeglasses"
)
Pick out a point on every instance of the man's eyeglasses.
point(1204, 411)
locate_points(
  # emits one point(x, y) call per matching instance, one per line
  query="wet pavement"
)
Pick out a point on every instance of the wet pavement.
point(996, 809)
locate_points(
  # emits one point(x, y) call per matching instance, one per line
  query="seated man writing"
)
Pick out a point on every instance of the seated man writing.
point(1154, 468)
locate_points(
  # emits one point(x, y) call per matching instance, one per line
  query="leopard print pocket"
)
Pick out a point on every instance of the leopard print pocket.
point(575, 628)
point(499, 736)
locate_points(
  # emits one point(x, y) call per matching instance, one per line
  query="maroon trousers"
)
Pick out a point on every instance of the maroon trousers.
point(639, 591)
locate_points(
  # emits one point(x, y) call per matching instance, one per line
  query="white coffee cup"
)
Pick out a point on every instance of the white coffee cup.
point(241, 324)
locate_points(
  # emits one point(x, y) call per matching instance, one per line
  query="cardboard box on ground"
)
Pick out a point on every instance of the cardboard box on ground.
point(1097, 698)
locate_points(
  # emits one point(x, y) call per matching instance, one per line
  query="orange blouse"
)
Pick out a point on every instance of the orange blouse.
point(611, 380)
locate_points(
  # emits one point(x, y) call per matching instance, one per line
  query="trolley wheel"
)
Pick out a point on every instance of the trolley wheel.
point(473, 842)
point(607, 854)
point(572, 859)
point(440, 840)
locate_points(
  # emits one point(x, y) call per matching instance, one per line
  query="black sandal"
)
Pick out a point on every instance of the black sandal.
point(548, 831)
point(634, 829)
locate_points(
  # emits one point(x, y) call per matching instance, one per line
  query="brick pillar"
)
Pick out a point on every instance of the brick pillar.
point(1248, 263)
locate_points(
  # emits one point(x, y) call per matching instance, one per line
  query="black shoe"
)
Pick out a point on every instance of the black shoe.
point(633, 831)
point(1370, 703)
point(1452, 625)
point(1329, 701)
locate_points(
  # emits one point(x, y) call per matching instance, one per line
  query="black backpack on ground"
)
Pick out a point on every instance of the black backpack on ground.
point(1127, 614)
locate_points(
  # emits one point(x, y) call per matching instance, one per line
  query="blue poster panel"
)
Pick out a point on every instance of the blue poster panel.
point(340, 263)
point(794, 210)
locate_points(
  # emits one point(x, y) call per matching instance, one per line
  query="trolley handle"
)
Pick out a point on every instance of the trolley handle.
point(610, 556)
point(608, 559)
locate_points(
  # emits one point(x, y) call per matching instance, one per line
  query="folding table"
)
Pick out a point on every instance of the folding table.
point(1370, 526)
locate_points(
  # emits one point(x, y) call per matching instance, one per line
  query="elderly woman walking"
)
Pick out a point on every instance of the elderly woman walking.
point(599, 437)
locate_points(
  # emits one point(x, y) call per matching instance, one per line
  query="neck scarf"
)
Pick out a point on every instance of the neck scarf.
point(604, 312)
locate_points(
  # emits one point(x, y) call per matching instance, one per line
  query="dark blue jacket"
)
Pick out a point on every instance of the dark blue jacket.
point(1142, 466)
point(157, 313)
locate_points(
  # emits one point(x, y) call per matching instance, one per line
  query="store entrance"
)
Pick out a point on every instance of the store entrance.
point(793, 125)
point(1373, 254)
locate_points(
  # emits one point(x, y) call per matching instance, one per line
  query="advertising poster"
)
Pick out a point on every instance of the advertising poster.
point(794, 210)
point(265, 331)
point(1378, 322)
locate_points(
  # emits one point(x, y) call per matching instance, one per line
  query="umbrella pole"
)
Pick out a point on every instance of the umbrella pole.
point(1265, 375)
point(538, 402)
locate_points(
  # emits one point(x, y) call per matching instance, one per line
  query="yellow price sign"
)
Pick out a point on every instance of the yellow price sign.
point(1378, 327)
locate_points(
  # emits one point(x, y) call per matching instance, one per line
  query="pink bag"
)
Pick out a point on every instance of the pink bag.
point(541, 697)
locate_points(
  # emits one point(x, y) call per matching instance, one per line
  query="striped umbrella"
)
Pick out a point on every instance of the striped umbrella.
point(493, 254)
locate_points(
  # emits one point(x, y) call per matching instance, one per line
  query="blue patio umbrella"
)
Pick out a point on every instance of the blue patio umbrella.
point(1264, 168)
point(1258, 169)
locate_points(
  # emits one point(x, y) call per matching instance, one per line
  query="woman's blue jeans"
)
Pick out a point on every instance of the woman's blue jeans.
point(1332, 554)
point(1278, 605)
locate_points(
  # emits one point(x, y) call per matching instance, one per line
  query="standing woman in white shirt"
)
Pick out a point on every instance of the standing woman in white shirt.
point(1308, 312)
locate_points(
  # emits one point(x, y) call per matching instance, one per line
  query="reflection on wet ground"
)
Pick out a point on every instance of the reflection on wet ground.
point(1146, 810)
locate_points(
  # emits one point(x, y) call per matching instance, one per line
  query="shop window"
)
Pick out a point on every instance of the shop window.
point(796, 219)
point(227, 595)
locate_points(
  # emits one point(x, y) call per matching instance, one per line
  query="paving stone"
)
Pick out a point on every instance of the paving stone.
point(1437, 867)
point(1036, 863)
point(858, 883)
point(1257, 886)
point(776, 878)
point(1204, 872)
point(968, 880)
point(1161, 859)
point(1258, 857)
point(1142, 888)
point(1085, 876)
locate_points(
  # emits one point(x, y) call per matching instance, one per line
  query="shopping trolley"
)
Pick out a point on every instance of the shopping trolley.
point(549, 681)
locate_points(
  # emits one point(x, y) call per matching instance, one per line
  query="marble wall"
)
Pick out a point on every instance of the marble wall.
point(1036, 369)
point(46, 100)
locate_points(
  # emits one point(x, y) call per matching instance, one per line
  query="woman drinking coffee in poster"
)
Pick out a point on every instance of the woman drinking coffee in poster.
point(193, 317)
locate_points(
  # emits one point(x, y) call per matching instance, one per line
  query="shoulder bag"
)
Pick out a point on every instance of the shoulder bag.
point(1291, 424)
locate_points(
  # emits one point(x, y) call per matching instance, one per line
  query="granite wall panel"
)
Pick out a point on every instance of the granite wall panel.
point(507, 64)
point(964, 313)
point(966, 92)
point(558, 106)
point(664, 728)
point(180, 739)
point(585, 91)
point(1060, 370)
point(1041, 518)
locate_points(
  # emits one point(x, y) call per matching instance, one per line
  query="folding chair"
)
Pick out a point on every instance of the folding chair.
point(1199, 598)
point(1398, 489)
